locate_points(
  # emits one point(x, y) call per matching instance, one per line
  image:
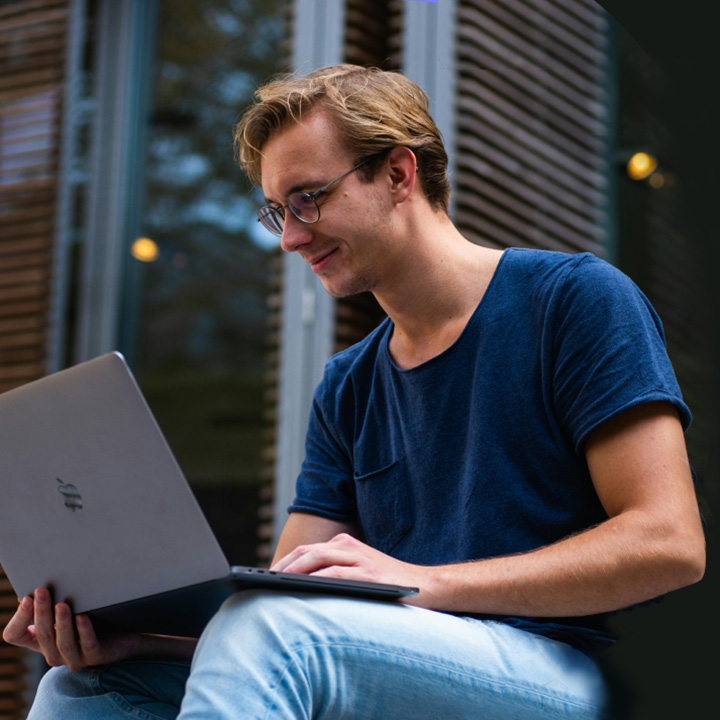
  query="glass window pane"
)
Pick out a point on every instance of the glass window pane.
point(196, 305)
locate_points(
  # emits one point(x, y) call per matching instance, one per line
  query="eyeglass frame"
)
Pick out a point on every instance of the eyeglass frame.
point(280, 211)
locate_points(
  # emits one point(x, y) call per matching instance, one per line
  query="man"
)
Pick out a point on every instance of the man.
point(509, 441)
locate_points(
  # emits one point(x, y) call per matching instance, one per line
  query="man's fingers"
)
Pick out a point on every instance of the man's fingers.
point(45, 627)
point(307, 558)
point(17, 631)
point(319, 557)
point(89, 644)
point(342, 572)
point(284, 562)
point(66, 642)
point(54, 633)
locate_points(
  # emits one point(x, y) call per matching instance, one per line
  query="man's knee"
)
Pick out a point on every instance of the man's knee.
point(61, 681)
point(260, 614)
point(270, 626)
point(57, 686)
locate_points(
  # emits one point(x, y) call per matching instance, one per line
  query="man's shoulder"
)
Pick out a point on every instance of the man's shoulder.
point(534, 260)
point(552, 273)
point(359, 357)
point(349, 375)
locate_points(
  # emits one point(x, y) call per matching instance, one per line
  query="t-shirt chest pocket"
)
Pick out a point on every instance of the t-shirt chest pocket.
point(383, 501)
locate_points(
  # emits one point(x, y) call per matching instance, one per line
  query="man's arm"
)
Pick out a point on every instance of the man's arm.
point(651, 544)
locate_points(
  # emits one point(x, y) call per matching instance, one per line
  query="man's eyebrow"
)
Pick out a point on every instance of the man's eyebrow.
point(299, 187)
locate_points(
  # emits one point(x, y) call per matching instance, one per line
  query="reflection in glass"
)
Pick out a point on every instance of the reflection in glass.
point(196, 316)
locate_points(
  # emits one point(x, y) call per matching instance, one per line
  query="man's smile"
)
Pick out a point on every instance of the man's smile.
point(319, 261)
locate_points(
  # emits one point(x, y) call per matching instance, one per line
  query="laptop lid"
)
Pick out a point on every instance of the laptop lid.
point(93, 503)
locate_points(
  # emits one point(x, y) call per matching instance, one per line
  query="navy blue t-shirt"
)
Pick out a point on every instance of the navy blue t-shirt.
point(478, 452)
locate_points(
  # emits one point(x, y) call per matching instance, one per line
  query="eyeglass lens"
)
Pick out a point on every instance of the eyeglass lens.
point(304, 207)
point(301, 205)
point(271, 219)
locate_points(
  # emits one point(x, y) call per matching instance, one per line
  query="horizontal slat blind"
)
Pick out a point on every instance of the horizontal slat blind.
point(32, 61)
point(531, 135)
point(373, 29)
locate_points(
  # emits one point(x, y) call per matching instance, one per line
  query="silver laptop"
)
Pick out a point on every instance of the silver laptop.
point(95, 506)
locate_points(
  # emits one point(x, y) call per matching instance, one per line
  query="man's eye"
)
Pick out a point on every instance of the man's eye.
point(302, 203)
point(302, 200)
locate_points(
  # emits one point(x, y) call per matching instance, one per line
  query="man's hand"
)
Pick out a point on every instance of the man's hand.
point(51, 631)
point(348, 558)
point(62, 640)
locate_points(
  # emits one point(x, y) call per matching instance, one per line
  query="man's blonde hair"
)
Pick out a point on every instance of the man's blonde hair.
point(373, 110)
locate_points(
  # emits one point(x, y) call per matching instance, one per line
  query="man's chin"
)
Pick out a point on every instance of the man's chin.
point(340, 290)
point(337, 293)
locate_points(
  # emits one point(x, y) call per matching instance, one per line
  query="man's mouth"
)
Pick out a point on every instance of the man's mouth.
point(320, 260)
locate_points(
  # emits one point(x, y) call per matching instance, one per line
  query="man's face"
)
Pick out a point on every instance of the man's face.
point(345, 247)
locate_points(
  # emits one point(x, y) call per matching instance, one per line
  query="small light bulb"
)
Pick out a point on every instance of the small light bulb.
point(641, 165)
point(145, 250)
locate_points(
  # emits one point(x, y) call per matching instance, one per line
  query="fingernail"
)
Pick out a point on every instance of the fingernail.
point(26, 603)
point(40, 596)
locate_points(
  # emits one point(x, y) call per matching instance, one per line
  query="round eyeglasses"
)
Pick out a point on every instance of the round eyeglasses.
point(301, 204)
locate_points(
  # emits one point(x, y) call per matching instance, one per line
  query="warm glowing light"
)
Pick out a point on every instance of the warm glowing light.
point(641, 165)
point(145, 250)
point(657, 180)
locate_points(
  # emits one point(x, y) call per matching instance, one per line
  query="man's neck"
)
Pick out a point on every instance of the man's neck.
point(438, 288)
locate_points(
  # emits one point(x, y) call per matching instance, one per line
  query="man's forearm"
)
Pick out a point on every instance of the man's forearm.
point(625, 560)
point(613, 565)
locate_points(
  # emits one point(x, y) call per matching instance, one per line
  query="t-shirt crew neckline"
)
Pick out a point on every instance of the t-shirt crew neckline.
point(385, 347)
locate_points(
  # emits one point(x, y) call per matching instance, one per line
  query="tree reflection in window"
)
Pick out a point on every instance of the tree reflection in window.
point(200, 308)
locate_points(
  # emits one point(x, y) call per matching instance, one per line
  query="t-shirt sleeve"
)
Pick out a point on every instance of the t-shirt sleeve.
point(608, 349)
point(324, 486)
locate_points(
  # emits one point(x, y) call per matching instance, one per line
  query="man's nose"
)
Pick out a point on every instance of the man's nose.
point(295, 233)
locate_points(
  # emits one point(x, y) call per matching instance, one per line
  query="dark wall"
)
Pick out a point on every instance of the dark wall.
point(665, 666)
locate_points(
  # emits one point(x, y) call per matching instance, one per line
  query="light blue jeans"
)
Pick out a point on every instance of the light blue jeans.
point(272, 655)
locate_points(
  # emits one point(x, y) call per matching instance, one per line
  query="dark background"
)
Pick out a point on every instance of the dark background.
point(665, 666)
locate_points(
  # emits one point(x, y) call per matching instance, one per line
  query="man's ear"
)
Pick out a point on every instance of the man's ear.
point(402, 169)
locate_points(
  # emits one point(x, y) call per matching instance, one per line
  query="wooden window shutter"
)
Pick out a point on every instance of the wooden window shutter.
point(531, 134)
point(32, 60)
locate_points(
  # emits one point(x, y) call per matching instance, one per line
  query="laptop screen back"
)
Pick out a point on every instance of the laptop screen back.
point(93, 502)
